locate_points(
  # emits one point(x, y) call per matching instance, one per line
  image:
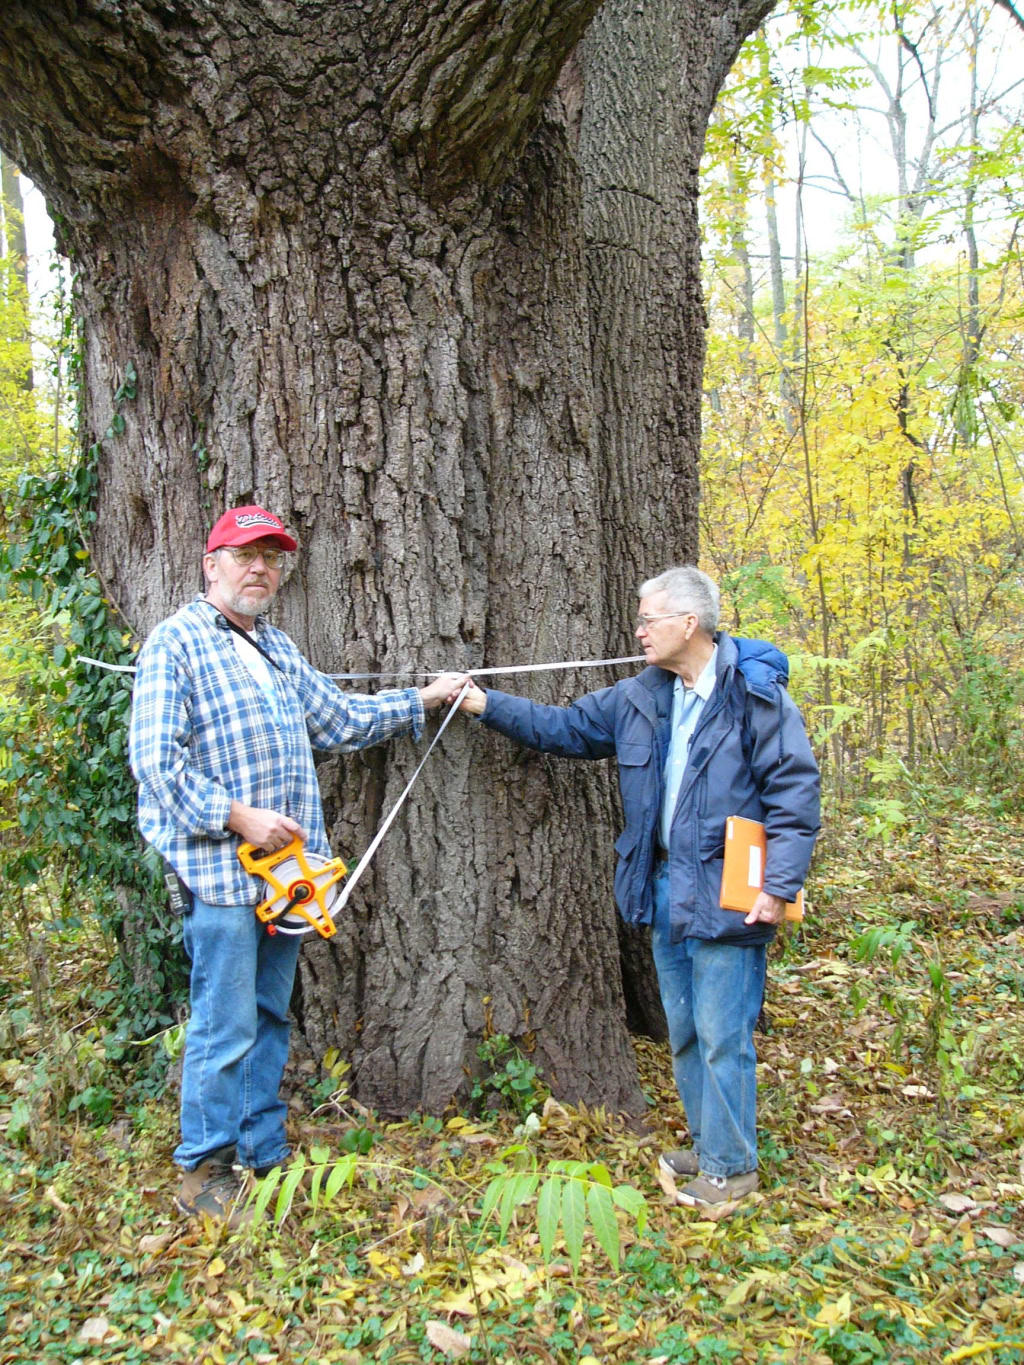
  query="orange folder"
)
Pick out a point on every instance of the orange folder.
point(743, 870)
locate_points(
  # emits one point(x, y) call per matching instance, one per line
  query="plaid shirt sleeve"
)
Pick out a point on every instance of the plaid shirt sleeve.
point(158, 747)
point(344, 721)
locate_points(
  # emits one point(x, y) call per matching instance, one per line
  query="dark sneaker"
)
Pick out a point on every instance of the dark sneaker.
point(710, 1190)
point(215, 1188)
point(684, 1162)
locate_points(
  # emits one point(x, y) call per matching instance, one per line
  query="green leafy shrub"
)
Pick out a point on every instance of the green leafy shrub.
point(511, 1078)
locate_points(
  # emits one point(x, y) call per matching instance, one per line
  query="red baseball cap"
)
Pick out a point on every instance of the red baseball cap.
point(240, 525)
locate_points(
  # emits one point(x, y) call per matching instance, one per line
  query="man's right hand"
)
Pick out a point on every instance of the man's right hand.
point(474, 703)
point(263, 829)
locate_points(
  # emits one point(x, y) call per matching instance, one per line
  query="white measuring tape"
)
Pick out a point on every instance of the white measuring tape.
point(413, 673)
point(364, 862)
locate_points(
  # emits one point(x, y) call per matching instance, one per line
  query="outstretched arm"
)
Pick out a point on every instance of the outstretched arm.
point(586, 729)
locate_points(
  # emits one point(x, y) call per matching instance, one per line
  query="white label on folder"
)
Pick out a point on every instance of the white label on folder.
point(754, 867)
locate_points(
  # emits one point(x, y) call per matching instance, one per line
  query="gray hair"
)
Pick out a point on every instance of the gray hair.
point(687, 589)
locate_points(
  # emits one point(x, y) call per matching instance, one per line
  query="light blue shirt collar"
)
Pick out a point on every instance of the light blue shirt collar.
point(705, 684)
point(687, 705)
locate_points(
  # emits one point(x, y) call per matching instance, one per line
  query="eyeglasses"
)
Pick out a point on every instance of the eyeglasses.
point(645, 622)
point(248, 554)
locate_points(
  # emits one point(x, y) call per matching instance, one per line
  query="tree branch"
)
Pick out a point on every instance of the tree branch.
point(1012, 12)
point(477, 82)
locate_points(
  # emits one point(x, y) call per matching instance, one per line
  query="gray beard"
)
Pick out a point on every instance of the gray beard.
point(244, 605)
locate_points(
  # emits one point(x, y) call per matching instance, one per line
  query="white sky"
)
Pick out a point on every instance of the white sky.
point(39, 234)
point(860, 140)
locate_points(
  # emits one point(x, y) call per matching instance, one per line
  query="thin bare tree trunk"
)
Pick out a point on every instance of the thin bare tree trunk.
point(15, 244)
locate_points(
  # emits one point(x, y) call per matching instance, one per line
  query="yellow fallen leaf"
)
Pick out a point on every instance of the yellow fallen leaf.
point(216, 1266)
point(976, 1348)
point(832, 1314)
point(463, 1304)
point(737, 1295)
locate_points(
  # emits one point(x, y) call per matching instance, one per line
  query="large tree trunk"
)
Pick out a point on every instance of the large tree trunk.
point(650, 77)
point(372, 272)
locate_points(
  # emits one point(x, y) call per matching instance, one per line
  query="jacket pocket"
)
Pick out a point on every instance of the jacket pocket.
point(712, 839)
point(633, 755)
point(625, 891)
point(626, 842)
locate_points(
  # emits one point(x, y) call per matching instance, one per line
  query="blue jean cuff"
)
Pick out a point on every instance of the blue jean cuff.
point(255, 1164)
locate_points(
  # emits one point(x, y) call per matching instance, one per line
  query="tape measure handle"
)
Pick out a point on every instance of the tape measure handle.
point(257, 861)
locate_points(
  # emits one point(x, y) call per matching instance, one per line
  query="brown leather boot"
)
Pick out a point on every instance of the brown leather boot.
point(214, 1188)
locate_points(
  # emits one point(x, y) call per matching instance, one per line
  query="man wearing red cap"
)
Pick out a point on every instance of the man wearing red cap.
point(225, 715)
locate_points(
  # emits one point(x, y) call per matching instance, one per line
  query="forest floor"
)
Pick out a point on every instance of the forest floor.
point(889, 1225)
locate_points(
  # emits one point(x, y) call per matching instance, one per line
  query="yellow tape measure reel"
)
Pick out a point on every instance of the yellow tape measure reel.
point(302, 887)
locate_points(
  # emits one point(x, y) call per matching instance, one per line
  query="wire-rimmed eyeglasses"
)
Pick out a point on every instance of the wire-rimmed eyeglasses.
point(643, 622)
point(244, 555)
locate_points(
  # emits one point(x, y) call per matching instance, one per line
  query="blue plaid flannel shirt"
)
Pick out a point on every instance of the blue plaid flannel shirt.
point(203, 734)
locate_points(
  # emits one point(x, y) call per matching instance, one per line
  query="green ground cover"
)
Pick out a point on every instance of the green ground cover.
point(889, 1225)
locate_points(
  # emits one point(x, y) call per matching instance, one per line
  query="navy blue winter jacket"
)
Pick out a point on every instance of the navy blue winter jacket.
point(749, 756)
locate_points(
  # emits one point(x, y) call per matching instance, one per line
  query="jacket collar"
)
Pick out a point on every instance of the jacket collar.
point(651, 689)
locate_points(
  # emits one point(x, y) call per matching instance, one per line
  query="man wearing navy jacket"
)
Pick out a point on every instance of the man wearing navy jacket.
point(705, 731)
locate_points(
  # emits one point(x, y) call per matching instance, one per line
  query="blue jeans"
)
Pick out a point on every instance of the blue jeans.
point(236, 1043)
point(712, 994)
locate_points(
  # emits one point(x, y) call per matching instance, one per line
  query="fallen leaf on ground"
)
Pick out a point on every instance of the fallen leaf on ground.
point(447, 1339)
point(1003, 1237)
point(96, 1330)
point(957, 1203)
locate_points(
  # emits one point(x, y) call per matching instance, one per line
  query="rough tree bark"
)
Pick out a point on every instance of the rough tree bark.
point(375, 270)
point(650, 76)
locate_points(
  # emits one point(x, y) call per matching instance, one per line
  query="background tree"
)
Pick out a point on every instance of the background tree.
point(424, 278)
point(874, 523)
point(14, 250)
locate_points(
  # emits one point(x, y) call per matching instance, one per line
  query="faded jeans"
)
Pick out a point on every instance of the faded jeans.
point(236, 1043)
point(712, 993)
